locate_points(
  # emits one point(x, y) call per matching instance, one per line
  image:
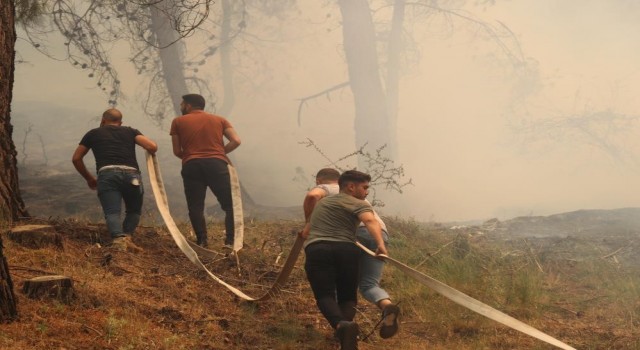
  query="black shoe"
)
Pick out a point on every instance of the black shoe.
point(202, 241)
point(389, 326)
point(347, 333)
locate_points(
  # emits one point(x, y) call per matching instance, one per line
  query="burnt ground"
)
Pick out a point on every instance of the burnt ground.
point(573, 275)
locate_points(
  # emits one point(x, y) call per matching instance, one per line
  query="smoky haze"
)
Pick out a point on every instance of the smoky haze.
point(480, 135)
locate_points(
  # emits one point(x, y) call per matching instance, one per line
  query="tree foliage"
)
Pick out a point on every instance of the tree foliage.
point(91, 29)
point(29, 12)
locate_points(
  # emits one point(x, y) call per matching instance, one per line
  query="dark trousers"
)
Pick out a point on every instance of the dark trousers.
point(332, 271)
point(197, 176)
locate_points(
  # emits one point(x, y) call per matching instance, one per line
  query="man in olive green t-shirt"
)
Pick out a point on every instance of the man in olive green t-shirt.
point(332, 257)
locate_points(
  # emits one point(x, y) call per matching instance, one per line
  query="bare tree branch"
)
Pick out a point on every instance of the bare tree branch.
point(325, 92)
point(382, 169)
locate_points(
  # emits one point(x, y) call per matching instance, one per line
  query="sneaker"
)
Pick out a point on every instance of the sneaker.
point(119, 244)
point(347, 333)
point(389, 326)
point(130, 246)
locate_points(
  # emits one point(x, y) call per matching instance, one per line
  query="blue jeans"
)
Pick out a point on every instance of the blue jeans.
point(371, 268)
point(114, 186)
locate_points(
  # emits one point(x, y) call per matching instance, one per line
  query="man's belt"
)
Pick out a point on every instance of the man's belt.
point(122, 168)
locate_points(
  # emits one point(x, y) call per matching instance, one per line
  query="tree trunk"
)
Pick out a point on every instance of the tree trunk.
point(8, 310)
point(226, 71)
point(394, 48)
point(171, 50)
point(371, 111)
point(11, 204)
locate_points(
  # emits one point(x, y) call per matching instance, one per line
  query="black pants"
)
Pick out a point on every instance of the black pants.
point(332, 271)
point(197, 175)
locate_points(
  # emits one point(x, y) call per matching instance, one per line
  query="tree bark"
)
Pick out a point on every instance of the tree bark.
point(11, 204)
point(226, 71)
point(171, 51)
point(36, 236)
point(394, 48)
point(371, 110)
point(55, 286)
point(8, 309)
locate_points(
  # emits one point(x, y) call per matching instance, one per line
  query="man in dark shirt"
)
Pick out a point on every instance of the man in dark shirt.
point(119, 177)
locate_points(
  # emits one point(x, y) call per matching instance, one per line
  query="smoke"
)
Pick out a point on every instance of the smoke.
point(477, 139)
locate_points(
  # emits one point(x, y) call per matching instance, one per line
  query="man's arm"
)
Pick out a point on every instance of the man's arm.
point(177, 150)
point(146, 143)
point(310, 200)
point(234, 140)
point(78, 163)
point(375, 230)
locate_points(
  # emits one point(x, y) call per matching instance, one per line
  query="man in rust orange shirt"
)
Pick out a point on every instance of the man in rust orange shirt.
point(198, 139)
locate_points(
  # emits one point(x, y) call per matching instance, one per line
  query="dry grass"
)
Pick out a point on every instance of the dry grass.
point(156, 299)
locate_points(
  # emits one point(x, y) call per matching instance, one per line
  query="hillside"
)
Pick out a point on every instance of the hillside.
point(579, 289)
point(580, 222)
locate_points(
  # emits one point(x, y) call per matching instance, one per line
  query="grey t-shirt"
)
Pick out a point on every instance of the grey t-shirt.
point(335, 218)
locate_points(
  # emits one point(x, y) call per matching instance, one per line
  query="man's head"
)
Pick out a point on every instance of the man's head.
point(327, 176)
point(191, 102)
point(355, 183)
point(111, 116)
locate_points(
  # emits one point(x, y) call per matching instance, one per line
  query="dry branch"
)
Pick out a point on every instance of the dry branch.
point(430, 255)
point(612, 254)
point(533, 256)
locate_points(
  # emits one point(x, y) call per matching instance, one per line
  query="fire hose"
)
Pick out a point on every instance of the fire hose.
point(189, 249)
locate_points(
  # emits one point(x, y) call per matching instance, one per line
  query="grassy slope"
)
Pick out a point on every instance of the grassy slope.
point(156, 299)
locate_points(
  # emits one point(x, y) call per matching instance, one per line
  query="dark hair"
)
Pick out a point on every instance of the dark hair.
point(196, 101)
point(353, 176)
point(328, 174)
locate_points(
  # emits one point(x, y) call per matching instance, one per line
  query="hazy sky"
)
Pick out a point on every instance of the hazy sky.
point(457, 111)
